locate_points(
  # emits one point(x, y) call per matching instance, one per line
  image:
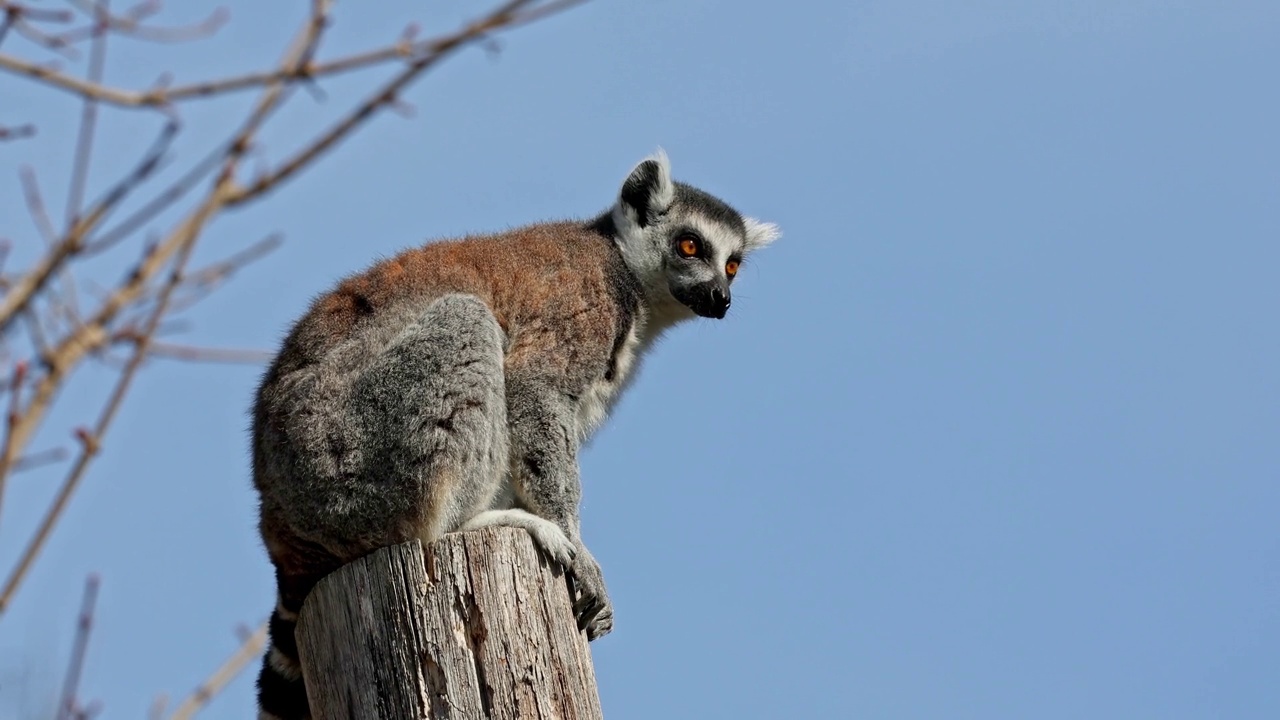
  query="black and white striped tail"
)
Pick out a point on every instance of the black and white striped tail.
point(281, 693)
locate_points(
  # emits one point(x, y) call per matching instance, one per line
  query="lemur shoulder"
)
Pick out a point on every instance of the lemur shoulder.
point(450, 387)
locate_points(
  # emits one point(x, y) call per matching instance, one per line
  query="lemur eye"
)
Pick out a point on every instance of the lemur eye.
point(731, 268)
point(688, 246)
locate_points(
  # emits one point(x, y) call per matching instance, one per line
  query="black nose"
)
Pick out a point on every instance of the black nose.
point(719, 302)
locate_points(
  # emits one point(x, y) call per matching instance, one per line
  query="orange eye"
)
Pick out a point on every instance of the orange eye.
point(731, 268)
point(687, 246)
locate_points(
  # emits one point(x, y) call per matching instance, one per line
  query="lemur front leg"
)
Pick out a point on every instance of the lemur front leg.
point(544, 451)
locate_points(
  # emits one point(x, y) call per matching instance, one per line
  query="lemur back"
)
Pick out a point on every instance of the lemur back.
point(450, 387)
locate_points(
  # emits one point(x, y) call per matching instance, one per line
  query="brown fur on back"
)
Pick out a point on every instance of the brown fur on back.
point(527, 277)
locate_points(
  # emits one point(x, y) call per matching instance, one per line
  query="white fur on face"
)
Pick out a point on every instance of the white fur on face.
point(760, 234)
point(721, 242)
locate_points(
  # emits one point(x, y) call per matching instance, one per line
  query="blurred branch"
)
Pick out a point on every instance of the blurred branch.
point(131, 23)
point(250, 649)
point(69, 706)
point(39, 215)
point(386, 96)
point(22, 18)
point(16, 10)
point(218, 355)
point(88, 119)
point(19, 131)
point(33, 281)
point(208, 278)
point(405, 49)
point(157, 707)
point(37, 459)
point(191, 353)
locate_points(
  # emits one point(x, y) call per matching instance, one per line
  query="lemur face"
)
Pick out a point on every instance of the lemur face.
point(705, 244)
point(684, 245)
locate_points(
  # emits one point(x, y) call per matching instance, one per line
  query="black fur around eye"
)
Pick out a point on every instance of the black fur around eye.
point(688, 245)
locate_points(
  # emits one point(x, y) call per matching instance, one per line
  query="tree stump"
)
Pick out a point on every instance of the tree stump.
point(479, 626)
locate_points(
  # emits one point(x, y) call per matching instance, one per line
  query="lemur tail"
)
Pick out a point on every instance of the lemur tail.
point(281, 692)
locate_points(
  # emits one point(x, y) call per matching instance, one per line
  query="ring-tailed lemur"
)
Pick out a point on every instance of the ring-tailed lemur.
point(450, 387)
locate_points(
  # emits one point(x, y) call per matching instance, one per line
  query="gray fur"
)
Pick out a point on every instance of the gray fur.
point(384, 416)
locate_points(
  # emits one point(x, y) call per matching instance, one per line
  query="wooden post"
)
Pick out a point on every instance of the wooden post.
point(479, 626)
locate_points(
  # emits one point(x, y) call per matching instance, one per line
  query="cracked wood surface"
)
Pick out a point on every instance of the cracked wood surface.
point(480, 625)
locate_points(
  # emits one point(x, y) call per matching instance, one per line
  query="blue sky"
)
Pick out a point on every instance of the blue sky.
point(990, 433)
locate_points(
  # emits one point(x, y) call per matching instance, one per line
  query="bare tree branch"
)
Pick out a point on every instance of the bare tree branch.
point(33, 281)
point(69, 705)
point(37, 459)
point(88, 120)
point(15, 10)
point(386, 96)
point(249, 650)
point(23, 21)
point(37, 209)
point(130, 23)
point(504, 18)
point(17, 132)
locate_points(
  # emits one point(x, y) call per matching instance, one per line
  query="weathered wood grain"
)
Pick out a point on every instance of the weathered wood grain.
point(479, 626)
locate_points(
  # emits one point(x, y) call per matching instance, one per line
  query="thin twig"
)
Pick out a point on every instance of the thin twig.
point(29, 285)
point(404, 50)
point(130, 24)
point(543, 11)
point(206, 355)
point(69, 706)
point(83, 153)
point(83, 88)
point(384, 96)
point(157, 707)
point(44, 457)
point(14, 387)
point(175, 192)
point(205, 280)
point(42, 38)
point(88, 121)
point(147, 166)
point(20, 131)
point(35, 204)
point(249, 650)
point(39, 338)
point(39, 14)
point(35, 13)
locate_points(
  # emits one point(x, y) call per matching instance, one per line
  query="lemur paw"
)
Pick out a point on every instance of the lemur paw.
point(591, 606)
point(553, 542)
point(600, 625)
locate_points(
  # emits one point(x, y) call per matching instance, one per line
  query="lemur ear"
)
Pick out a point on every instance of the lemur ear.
point(648, 191)
point(760, 234)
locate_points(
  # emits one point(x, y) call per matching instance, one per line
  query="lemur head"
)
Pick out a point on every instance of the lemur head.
point(684, 245)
